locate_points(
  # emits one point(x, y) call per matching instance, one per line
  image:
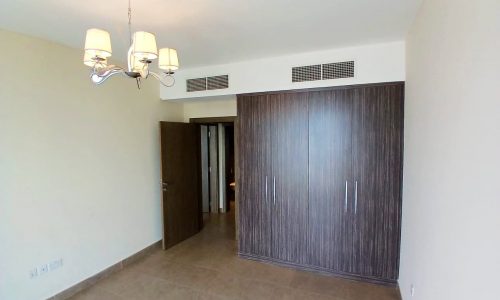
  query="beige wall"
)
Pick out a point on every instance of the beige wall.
point(451, 202)
point(79, 167)
point(210, 107)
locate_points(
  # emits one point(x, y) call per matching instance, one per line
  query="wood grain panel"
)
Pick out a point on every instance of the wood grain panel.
point(312, 142)
point(289, 148)
point(181, 181)
point(254, 161)
point(330, 118)
point(378, 170)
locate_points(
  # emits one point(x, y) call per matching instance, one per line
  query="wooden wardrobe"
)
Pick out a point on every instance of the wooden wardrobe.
point(319, 181)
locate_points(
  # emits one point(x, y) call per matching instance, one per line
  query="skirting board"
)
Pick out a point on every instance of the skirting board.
point(318, 270)
point(105, 273)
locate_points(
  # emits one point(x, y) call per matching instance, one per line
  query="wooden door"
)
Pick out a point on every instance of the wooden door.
point(180, 180)
point(330, 183)
point(378, 148)
point(254, 184)
point(289, 148)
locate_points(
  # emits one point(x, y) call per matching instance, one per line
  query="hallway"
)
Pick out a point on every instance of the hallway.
point(206, 267)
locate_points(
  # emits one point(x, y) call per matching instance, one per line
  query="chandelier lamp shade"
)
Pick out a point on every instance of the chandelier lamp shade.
point(145, 46)
point(168, 60)
point(142, 52)
point(98, 43)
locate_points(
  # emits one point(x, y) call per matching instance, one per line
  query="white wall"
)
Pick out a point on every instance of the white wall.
point(79, 167)
point(451, 203)
point(374, 63)
point(210, 107)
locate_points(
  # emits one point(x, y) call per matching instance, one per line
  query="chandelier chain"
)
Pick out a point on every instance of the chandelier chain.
point(130, 22)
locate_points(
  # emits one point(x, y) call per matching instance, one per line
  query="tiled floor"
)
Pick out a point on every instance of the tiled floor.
point(206, 267)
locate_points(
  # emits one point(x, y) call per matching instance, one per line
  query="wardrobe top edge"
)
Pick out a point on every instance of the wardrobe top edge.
point(330, 88)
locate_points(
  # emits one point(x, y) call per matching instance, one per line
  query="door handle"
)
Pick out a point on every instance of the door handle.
point(356, 198)
point(345, 205)
point(274, 190)
point(165, 185)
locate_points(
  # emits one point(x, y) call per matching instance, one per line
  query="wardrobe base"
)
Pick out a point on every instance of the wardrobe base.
point(320, 270)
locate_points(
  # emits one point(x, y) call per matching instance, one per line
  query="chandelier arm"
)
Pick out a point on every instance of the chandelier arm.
point(100, 76)
point(105, 70)
point(160, 79)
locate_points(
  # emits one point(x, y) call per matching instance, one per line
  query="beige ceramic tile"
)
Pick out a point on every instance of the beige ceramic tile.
point(206, 267)
point(96, 294)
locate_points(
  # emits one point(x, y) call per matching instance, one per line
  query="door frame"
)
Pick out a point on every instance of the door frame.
point(228, 120)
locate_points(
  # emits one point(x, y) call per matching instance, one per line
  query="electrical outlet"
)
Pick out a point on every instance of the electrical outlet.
point(56, 264)
point(33, 273)
point(412, 290)
point(44, 269)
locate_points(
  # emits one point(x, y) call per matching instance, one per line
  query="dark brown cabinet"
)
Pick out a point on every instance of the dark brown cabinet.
point(273, 187)
point(377, 166)
point(330, 170)
point(289, 134)
point(320, 179)
point(254, 168)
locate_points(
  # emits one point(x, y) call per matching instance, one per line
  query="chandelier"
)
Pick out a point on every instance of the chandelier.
point(141, 54)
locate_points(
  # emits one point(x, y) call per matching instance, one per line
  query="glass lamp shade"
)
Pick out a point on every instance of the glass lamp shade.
point(145, 45)
point(98, 43)
point(89, 61)
point(168, 59)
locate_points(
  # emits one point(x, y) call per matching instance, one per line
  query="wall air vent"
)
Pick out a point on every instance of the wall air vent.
point(306, 73)
point(218, 82)
point(196, 84)
point(207, 83)
point(338, 70)
point(323, 72)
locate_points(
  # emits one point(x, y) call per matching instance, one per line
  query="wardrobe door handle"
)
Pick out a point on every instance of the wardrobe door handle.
point(345, 205)
point(274, 190)
point(356, 198)
point(266, 188)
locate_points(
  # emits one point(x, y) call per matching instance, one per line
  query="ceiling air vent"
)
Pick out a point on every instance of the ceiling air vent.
point(338, 70)
point(323, 72)
point(196, 84)
point(217, 82)
point(306, 73)
point(207, 83)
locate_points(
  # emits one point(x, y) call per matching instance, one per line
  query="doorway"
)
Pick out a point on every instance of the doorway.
point(217, 166)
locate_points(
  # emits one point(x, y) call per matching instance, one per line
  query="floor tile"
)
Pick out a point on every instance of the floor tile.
point(206, 267)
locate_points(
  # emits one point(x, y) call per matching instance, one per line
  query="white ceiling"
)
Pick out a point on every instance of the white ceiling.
point(209, 32)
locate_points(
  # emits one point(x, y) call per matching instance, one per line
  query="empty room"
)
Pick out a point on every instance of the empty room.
point(237, 149)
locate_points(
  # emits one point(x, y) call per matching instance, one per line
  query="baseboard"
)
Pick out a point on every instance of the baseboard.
point(73, 290)
point(319, 270)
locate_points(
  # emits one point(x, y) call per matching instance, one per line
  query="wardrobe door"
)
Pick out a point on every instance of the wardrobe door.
point(377, 146)
point(289, 147)
point(330, 168)
point(255, 185)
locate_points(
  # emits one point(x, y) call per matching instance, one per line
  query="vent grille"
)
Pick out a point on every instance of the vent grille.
point(338, 70)
point(306, 73)
point(196, 84)
point(323, 72)
point(207, 83)
point(217, 82)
